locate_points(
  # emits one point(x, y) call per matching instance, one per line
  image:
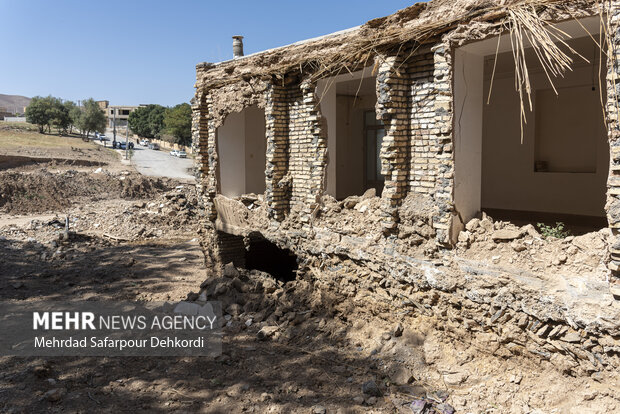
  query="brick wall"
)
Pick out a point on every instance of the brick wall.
point(276, 131)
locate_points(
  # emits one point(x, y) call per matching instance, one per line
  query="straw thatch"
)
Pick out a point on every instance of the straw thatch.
point(417, 24)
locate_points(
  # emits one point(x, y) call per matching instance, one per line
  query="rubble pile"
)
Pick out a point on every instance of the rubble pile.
point(43, 190)
point(403, 355)
point(503, 243)
point(173, 212)
point(522, 293)
point(289, 314)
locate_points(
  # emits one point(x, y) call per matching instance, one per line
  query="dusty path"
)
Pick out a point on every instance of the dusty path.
point(161, 164)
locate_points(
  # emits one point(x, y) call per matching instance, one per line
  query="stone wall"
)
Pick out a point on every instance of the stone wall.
point(415, 103)
point(612, 113)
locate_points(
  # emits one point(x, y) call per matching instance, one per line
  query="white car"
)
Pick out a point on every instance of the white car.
point(178, 153)
point(144, 143)
point(174, 153)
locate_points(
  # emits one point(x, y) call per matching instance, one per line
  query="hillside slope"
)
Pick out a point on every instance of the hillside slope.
point(13, 102)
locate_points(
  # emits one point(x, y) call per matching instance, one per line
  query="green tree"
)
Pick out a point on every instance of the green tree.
point(73, 112)
point(156, 120)
point(92, 118)
point(39, 112)
point(178, 123)
point(59, 116)
point(148, 121)
point(138, 122)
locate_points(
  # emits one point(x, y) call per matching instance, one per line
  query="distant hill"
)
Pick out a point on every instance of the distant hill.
point(13, 102)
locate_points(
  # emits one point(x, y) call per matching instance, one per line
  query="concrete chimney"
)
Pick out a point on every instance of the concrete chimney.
point(237, 46)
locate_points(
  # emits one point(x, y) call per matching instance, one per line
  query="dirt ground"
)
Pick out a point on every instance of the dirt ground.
point(26, 145)
point(291, 347)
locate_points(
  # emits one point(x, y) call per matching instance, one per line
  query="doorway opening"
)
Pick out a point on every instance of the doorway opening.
point(354, 134)
point(559, 172)
point(242, 148)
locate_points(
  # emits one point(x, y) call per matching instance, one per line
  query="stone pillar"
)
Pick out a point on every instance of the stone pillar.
point(612, 113)
point(441, 145)
point(278, 181)
point(392, 108)
point(203, 144)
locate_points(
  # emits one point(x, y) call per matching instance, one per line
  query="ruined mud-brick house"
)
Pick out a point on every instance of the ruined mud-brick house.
point(370, 153)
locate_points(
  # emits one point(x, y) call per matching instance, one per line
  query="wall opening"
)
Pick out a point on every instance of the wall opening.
point(354, 134)
point(242, 147)
point(267, 257)
point(255, 252)
point(559, 172)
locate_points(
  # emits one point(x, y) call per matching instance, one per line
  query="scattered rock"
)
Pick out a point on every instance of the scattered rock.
point(371, 388)
point(42, 371)
point(464, 236)
point(486, 224)
point(351, 202)
point(472, 225)
point(55, 394)
point(230, 271)
point(506, 235)
point(444, 408)
point(398, 330)
point(370, 193)
point(266, 332)
point(402, 376)
point(234, 309)
point(319, 409)
point(572, 337)
point(419, 406)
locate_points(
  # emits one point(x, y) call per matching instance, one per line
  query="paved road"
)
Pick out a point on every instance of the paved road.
point(157, 163)
point(161, 163)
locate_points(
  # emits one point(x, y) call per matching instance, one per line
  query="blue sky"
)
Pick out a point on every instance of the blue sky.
point(138, 51)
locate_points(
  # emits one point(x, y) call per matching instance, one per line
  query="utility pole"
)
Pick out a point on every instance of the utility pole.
point(114, 126)
point(127, 142)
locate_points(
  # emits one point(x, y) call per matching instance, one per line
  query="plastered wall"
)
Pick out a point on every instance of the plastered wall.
point(241, 147)
point(565, 128)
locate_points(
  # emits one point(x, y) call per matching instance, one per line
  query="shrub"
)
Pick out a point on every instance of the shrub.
point(558, 231)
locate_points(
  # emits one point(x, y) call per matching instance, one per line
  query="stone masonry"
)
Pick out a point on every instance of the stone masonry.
point(414, 86)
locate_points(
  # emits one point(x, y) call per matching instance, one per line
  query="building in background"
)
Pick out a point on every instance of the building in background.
point(118, 112)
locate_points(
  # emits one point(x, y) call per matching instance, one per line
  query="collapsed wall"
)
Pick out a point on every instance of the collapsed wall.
point(400, 246)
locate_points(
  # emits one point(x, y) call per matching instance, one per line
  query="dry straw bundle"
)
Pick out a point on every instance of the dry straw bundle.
point(527, 29)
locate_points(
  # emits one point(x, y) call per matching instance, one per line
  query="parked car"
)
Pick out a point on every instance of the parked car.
point(181, 154)
point(144, 142)
point(174, 153)
point(154, 146)
point(103, 138)
point(122, 145)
